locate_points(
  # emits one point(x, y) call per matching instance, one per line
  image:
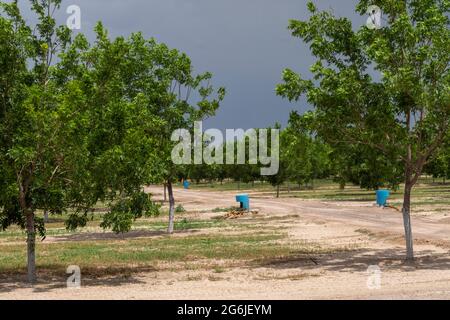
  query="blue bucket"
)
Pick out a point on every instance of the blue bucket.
point(244, 200)
point(382, 197)
point(186, 184)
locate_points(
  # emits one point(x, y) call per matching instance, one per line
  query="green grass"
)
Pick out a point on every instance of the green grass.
point(57, 229)
point(145, 252)
point(233, 243)
point(427, 195)
point(246, 241)
point(218, 269)
point(231, 186)
point(216, 210)
point(181, 224)
point(256, 186)
point(233, 240)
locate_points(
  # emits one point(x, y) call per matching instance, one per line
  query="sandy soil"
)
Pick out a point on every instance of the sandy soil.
point(375, 235)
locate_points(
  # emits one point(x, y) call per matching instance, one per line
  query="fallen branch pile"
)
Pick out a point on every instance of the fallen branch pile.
point(238, 213)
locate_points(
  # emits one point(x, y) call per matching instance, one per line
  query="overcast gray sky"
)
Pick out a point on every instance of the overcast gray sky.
point(244, 43)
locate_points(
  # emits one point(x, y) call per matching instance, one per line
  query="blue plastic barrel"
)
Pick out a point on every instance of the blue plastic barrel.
point(382, 197)
point(244, 200)
point(186, 184)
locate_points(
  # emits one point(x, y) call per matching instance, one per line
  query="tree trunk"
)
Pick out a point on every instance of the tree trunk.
point(46, 216)
point(407, 221)
point(406, 210)
point(278, 191)
point(27, 211)
point(171, 208)
point(165, 192)
point(31, 248)
point(289, 187)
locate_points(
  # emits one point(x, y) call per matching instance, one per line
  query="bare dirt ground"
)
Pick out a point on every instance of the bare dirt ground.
point(374, 235)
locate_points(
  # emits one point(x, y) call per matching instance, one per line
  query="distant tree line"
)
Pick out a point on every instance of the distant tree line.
point(305, 157)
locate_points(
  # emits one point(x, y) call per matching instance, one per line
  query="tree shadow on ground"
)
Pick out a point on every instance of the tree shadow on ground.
point(54, 278)
point(360, 260)
point(134, 234)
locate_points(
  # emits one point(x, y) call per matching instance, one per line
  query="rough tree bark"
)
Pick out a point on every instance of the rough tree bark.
point(171, 208)
point(31, 237)
point(407, 221)
point(278, 191)
point(27, 211)
point(406, 210)
point(31, 247)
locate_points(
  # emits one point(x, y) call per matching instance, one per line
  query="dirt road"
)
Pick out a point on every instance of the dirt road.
point(359, 214)
point(376, 233)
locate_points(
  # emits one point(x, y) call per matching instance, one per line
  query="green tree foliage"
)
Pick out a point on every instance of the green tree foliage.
point(92, 125)
point(365, 167)
point(306, 155)
point(72, 132)
point(405, 115)
point(439, 167)
point(179, 113)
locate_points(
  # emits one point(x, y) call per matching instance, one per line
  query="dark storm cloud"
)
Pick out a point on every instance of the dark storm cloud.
point(245, 43)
